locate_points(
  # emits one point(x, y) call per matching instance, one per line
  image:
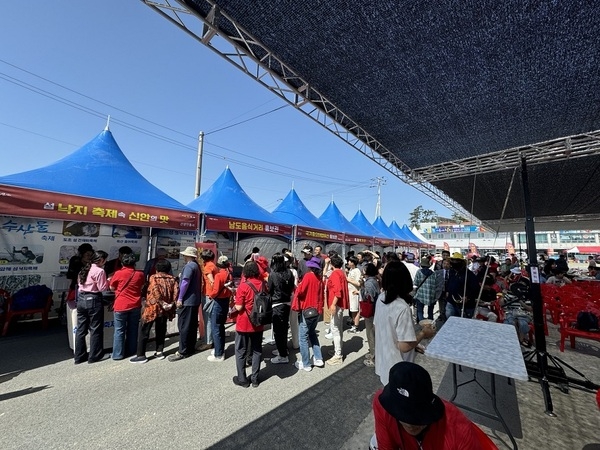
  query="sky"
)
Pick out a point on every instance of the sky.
point(66, 65)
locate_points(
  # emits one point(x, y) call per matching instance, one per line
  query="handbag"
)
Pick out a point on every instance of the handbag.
point(309, 313)
point(367, 308)
point(108, 298)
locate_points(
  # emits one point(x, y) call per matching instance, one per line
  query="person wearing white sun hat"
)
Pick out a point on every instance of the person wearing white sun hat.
point(188, 303)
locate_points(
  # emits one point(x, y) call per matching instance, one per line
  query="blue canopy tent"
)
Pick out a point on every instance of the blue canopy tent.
point(226, 207)
point(293, 212)
point(380, 225)
point(413, 237)
point(335, 220)
point(96, 183)
point(396, 229)
point(360, 221)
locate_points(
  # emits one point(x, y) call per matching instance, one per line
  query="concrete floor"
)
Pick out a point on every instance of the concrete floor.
point(48, 402)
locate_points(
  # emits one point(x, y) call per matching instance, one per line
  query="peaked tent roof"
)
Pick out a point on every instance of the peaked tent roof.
point(360, 221)
point(399, 231)
point(113, 191)
point(419, 236)
point(382, 227)
point(293, 212)
point(333, 218)
point(412, 236)
point(226, 198)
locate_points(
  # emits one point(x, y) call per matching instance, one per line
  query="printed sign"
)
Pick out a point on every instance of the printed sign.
point(33, 203)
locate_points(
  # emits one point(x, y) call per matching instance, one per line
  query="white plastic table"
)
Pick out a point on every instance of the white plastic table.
point(487, 346)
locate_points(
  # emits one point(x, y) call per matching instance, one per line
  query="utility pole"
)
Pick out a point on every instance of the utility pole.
point(199, 164)
point(380, 182)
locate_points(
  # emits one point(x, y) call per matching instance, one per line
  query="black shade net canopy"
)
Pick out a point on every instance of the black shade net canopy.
point(448, 95)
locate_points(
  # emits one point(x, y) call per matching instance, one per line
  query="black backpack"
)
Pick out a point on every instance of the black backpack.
point(586, 321)
point(262, 309)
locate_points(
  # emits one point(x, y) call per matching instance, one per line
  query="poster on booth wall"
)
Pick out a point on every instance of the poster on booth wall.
point(223, 242)
point(35, 251)
point(171, 242)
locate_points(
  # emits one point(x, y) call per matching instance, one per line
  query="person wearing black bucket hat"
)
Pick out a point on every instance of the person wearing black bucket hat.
point(408, 415)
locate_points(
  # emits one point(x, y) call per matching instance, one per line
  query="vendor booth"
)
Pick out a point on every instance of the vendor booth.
point(356, 239)
point(235, 222)
point(93, 195)
point(380, 241)
point(308, 230)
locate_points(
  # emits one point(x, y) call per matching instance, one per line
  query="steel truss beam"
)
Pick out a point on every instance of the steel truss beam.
point(249, 55)
point(571, 147)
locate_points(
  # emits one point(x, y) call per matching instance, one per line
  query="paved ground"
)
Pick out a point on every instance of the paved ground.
point(48, 402)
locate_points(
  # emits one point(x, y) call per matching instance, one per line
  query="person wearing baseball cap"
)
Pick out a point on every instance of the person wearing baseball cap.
point(307, 254)
point(408, 415)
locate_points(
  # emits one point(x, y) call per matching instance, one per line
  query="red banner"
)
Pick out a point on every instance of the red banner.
point(245, 226)
point(319, 235)
point(16, 201)
point(353, 239)
point(386, 242)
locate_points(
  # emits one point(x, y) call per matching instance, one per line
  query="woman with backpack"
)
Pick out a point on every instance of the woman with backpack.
point(247, 334)
point(280, 286)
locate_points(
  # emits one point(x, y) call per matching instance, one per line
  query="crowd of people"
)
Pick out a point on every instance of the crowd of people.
point(380, 291)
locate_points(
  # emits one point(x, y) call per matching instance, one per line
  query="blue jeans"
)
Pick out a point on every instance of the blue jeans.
point(218, 317)
point(126, 333)
point(421, 307)
point(308, 336)
point(455, 310)
point(208, 329)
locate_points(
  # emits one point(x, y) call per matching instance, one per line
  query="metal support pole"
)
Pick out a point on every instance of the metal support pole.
point(535, 293)
point(199, 164)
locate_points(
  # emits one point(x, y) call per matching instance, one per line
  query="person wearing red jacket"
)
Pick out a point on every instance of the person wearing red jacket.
point(127, 283)
point(409, 416)
point(246, 334)
point(308, 302)
point(338, 299)
point(220, 294)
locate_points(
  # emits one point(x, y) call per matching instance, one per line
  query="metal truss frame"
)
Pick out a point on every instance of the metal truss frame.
point(254, 59)
point(570, 147)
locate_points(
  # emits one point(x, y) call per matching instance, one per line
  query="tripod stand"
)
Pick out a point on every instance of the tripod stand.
point(540, 369)
point(556, 373)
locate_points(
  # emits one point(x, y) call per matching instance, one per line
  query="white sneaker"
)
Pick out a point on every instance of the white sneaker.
point(329, 336)
point(318, 362)
point(300, 366)
point(280, 360)
point(275, 352)
point(212, 352)
point(214, 358)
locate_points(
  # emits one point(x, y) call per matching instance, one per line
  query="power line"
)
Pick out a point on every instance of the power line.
point(247, 120)
point(349, 184)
